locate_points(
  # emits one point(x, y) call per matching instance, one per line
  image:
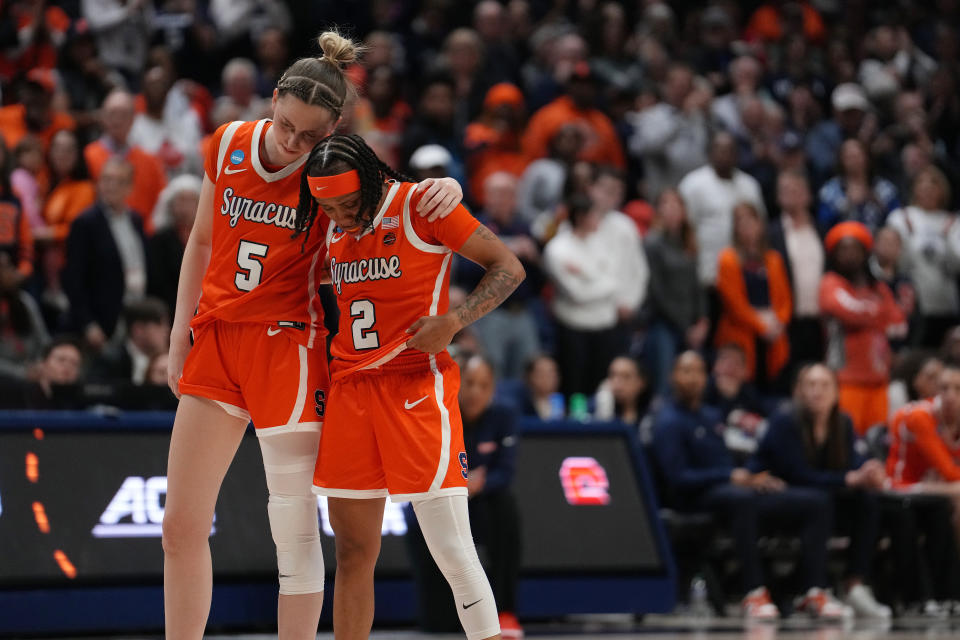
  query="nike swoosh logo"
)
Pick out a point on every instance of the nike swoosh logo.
point(336, 237)
point(467, 606)
point(272, 332)
point(230, 171)
point(410, 405)
point(319, 188)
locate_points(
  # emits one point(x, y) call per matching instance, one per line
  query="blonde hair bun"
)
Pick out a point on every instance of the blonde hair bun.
point(337, 49)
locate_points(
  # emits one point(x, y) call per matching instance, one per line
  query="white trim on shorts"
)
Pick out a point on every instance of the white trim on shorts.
point(266, 432)
point(301, 386)
point(356, 494)
point(426, 495)
point(231, 409)
point(444, 462)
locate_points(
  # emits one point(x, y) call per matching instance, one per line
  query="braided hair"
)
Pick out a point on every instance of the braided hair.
point(337, 154)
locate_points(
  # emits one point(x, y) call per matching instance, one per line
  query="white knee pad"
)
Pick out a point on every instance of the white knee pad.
point(289, 460)
point(445, 522)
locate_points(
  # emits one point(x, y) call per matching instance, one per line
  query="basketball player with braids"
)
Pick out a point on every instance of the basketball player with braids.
point(248, 298)
point(393, 424)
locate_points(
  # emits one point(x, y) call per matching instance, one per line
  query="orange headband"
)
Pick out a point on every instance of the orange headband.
point(334, 186)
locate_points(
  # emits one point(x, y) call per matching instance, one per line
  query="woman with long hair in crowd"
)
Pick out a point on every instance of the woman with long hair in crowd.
point(755, 299)
point(248, 343)
point(814, 445)
point(856, 193)
point(676, 303)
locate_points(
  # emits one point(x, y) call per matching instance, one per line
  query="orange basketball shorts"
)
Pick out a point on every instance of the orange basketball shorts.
point(255, 371)
point(393, 433)
point(866, 404)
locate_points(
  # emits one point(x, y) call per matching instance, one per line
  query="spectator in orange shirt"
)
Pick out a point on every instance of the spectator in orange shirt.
point(755, 298)
point(148, 175)
point(34, 115)
point(492, 143)
point(861, 316)
point(40, 30)
point(601, 144)
point(773, 20)
point(71, 190)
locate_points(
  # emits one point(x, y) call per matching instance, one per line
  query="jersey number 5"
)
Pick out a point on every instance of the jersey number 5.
point(364, 317)
point(251, 269)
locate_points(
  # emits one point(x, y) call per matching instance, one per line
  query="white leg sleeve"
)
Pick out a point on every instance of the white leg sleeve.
point(445, 522)
point(289, 460)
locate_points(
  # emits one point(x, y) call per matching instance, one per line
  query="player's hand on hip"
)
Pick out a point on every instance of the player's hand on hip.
point(440, 197)
point(432, 334)
point(179, 348)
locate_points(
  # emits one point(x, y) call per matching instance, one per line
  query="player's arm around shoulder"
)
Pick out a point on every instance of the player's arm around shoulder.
point(504, 274)
point(438, 197)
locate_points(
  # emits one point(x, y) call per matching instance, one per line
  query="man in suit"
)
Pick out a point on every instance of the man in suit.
point(106, 257)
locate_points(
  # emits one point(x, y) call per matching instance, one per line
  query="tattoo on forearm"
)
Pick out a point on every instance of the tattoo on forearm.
point(497, 284)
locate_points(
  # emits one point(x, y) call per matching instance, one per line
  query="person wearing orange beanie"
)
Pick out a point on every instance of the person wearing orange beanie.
point(861, 317)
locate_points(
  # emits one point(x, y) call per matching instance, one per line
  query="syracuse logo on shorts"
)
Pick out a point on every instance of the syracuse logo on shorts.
point(584, 481)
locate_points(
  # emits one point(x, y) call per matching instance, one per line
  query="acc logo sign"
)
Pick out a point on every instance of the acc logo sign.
point(394, 524)
point(584, 482)
point(137, 504)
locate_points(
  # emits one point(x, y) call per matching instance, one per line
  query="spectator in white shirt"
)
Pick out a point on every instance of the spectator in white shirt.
point(169, 127)
point(671, 136)
point(795, 236)
point(608, 191)
point(585, 274)
point(710, 193)
point(931, 252)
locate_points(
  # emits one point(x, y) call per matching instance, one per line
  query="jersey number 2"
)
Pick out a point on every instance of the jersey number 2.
point(251, 269)
point(364, 317)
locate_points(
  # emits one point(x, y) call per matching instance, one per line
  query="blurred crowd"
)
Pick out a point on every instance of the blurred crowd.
point(756, 186)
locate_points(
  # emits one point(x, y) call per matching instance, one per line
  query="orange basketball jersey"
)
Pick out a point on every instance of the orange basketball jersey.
point(389, 277)
point(918, 452)
point(257, 272)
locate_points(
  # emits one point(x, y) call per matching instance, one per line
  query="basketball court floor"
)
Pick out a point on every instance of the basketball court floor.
point(675, 628)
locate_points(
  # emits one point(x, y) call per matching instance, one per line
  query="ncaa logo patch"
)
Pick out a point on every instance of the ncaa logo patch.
point(236, 157)
point(390, 238)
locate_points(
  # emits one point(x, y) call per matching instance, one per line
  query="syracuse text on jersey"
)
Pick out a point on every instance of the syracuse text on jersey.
point(362, 270)
point(256, 211)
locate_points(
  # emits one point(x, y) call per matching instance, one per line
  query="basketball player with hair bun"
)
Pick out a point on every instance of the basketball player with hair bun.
point(247, 343)
point(393, 427)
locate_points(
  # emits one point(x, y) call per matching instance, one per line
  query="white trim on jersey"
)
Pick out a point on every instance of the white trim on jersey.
point(330, 228)
point(394, 187)
point(412, 236)
point(225, 144)
point(255, 157)
point(444, 427)
point(438, 285)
